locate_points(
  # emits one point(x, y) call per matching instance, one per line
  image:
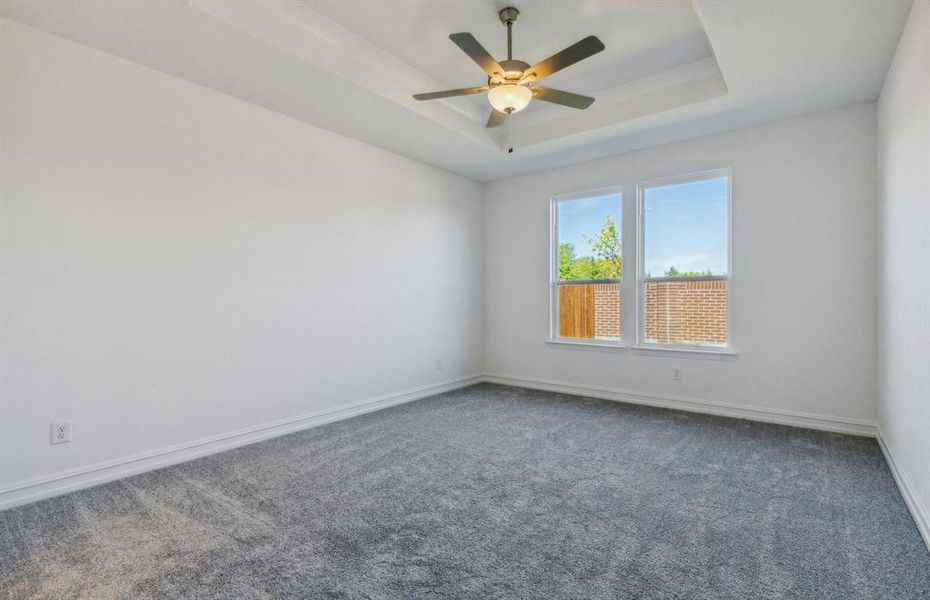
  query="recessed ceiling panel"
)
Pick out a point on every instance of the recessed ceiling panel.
point(642, 38)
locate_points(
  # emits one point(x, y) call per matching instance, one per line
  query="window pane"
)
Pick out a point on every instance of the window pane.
point(590, 266)
point(685, 257)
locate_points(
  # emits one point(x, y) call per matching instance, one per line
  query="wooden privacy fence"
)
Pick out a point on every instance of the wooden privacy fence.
point(589, 310)
point(576, 310)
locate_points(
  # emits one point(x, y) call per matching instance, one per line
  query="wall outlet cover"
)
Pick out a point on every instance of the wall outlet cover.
point(61, 432)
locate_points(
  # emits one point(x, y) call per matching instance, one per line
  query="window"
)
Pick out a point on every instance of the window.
point(587, 267)
point(685, 265)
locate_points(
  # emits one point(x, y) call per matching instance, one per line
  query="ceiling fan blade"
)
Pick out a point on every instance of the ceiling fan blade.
point(476, 51)
point(566, 58)
point(496, 119)
point(451, 93)
point(564, 98)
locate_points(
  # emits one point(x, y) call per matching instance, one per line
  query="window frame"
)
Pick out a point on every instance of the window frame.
point(594, 344)
point(642, 346)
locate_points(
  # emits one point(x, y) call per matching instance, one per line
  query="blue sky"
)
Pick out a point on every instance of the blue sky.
point(579, 217)
point(685, 225)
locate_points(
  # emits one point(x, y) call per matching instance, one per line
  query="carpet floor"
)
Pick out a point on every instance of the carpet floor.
point(488, 492)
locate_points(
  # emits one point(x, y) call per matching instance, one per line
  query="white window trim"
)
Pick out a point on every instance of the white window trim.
point(554, 340)
point(595, 345)
point(686, 351)
point(640, 346)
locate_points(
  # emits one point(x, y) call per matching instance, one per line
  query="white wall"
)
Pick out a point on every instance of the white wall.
point(803, 260)
point(904, 262)
point(177, 264)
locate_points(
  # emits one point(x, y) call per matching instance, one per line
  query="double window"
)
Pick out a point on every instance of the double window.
point(682, 257)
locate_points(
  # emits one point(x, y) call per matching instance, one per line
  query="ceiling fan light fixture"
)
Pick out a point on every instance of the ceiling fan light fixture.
point(510, 98)
point(513, 83)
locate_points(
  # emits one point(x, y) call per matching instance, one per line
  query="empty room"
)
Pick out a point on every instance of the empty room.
point(390, 299)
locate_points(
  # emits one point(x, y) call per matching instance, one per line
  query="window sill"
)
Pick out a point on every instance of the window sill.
point(596, 346)
point(685, 352)
point(726, 354)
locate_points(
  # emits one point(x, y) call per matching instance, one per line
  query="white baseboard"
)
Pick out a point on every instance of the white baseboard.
point(767, 415)
point(62, 483)
point(920, 512)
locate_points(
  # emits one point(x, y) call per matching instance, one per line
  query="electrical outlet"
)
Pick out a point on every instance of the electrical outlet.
point(61, 432)
point(676, 373)
point(438, 365)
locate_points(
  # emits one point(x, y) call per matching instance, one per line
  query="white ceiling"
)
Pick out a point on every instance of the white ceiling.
point(672, 70)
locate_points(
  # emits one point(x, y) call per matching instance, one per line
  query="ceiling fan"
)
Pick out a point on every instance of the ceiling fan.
point(512, 83)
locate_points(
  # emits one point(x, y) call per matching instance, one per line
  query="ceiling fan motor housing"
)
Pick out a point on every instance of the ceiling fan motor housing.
point(514, 70)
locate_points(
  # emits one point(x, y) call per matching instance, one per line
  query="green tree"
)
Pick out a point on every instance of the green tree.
point(566, 260)
point(606, 249)
point(672, 271)
point(604, 262)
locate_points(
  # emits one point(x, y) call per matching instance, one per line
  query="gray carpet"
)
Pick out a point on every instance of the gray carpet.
point(488, 492)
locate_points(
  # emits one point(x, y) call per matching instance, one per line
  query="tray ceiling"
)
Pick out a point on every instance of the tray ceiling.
point(672, 70)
